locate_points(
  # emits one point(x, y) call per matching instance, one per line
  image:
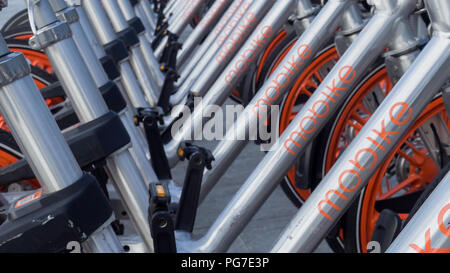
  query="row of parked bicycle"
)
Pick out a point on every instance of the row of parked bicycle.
point(90, 94)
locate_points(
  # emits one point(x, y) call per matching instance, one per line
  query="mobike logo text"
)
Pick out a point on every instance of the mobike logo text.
point(232, 23)
point(212, 13)
point(192, 7)
point(227, 16)
point(248, 55)
point(283, 79)
point(445, 230)
point(399, 114)
point(231, 45)
point(308, 124)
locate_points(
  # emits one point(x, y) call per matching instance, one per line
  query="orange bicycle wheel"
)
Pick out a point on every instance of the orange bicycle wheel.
point(402, 176)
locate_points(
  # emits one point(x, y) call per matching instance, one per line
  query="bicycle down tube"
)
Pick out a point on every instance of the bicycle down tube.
point(215, 40)
point(202, 29)
point(369, 44)
point(264, 33)
point(136, 49)
point(299, 57)
point(139, 147)
point(39, 137)
point(179, 26)
point(428, 231)
point(381, 134)
point(153, 66)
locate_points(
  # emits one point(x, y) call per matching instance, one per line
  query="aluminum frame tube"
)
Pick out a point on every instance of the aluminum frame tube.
point(265, 31)
point(119, 23)
point(42, 143)
point(223, 23)
point(153, 66)
point(89, 105)
point(202, 29)
point(302, 53)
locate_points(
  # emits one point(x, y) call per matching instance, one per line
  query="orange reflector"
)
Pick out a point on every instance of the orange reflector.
point(160, 191)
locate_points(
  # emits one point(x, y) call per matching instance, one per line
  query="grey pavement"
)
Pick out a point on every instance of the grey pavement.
point(262, 232)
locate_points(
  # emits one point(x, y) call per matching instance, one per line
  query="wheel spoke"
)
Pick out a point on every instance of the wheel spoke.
point(407, 182)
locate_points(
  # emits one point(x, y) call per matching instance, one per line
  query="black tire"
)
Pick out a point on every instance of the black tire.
point(9, 145)
point(19, 20)
point(249, 86)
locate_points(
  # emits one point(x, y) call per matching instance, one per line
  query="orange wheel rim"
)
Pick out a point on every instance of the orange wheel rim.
point(300, 87)
point(352, 117)
point(7, 159)
point(36, 58)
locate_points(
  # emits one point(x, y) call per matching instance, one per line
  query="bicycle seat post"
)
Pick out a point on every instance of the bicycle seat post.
point(89, 106)
point(43, 145)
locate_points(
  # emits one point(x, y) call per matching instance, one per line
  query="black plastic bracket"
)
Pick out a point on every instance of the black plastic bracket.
point(150, 118)
point(199, 159)
point(110, 67)
point(160, 31)
point(160, 220)
point(166, 131)
point(386, 229)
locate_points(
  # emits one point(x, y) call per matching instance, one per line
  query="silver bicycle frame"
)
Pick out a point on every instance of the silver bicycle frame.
point(139, 147)
point(105, 34)
point(119, 23)
point(261, 183)
point(227, 52)
point(298, 58)
point(39, 138)
point(215, 40)
point(374, 142)
point(266, 30)
point(202, 29)
point(153, 66)
point(212, 63)
point(428, 230)
point(172, 6)
point(177, 27)
point(145, 12)
point(89, 105)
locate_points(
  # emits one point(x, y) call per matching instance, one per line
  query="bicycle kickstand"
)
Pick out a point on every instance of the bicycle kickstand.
point(199, 159)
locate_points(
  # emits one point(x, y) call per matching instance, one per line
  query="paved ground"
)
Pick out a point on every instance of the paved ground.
point(264, 229)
